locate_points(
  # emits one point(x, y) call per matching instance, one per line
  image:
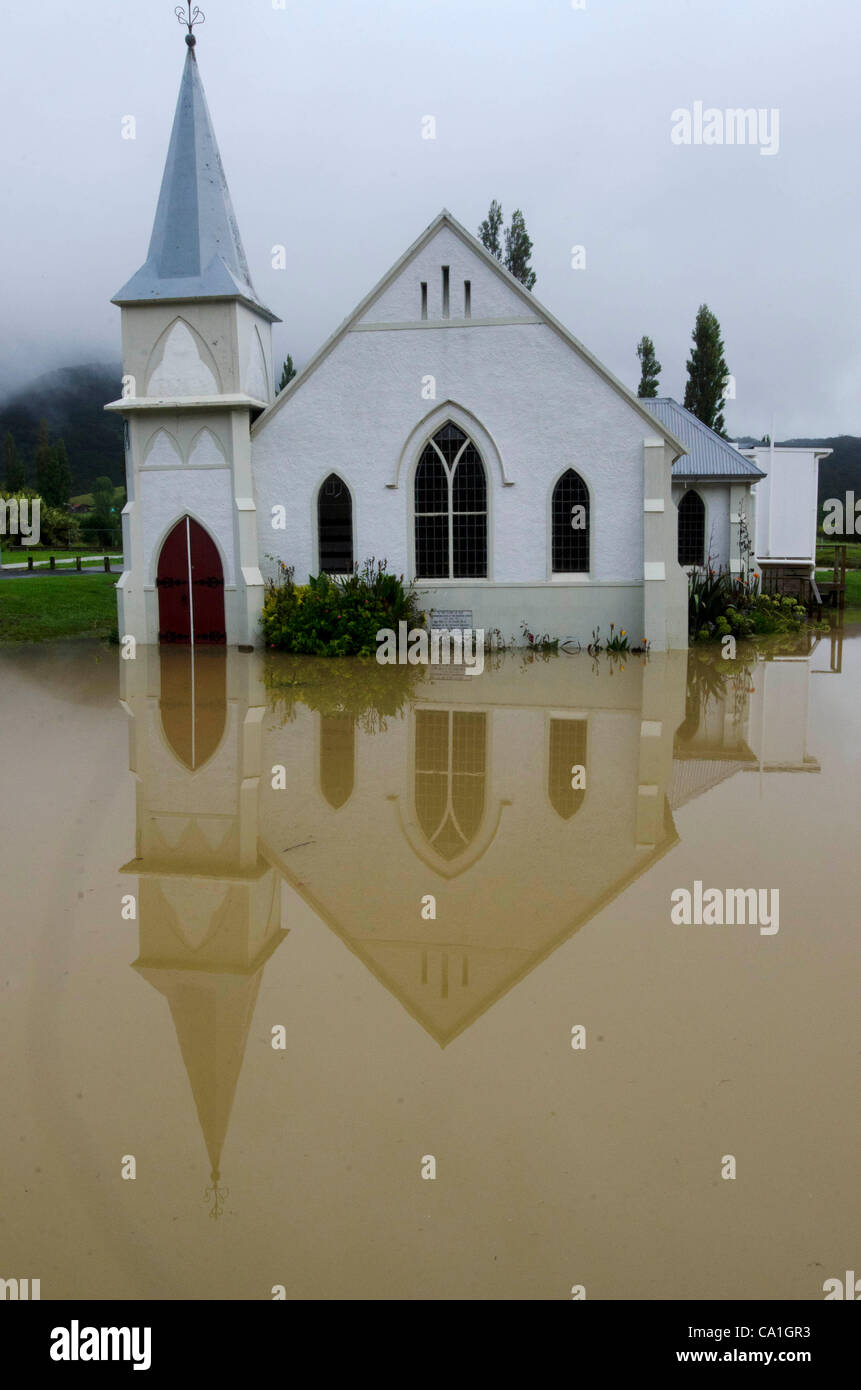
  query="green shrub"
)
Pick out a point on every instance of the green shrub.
point(720, 604)
point(359, 689)
point(336, 617)
point(56, 527)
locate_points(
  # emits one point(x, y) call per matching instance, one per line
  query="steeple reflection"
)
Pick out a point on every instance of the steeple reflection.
point(209, 909)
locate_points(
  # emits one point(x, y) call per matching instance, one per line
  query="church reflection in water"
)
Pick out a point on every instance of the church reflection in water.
point(464, 794)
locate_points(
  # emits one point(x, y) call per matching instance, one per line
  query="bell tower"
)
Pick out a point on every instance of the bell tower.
point(197, 364)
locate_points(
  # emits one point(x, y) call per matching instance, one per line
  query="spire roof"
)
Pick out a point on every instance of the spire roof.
point(195, 251)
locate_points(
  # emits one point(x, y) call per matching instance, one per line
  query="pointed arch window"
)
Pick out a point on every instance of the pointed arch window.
point(335, 526)
point(570, 525)
point(450, 508)
point(692, 529)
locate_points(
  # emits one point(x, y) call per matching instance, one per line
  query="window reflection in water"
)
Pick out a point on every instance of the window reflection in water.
point(337, 758)
point(450, 775)
point(567, 751)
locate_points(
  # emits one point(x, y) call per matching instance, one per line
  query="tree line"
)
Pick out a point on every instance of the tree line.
point(50, 479)
point(51, 475)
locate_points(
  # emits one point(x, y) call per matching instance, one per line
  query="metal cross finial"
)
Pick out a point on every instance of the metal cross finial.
point(195, 16)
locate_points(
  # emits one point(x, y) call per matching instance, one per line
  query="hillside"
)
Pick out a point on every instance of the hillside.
point(71, 399)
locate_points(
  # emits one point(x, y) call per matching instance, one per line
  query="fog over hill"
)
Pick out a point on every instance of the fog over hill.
point(72, 400)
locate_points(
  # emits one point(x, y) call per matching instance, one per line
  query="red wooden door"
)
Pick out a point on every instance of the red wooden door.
point(190, 585)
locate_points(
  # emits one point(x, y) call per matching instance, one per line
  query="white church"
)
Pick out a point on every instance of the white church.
point(451, 426)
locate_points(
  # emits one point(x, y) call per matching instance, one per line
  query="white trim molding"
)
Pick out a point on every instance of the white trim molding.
point(466, 421)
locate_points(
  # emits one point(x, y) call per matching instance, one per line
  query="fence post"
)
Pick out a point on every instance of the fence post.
point(29, 562)
point(53, 563)
point(78, 564)
point(107, 564)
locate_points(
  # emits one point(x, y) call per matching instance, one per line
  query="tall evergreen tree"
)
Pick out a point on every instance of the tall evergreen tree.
point(518, 246)
point(650, 369)
point(14, 471)
point(44, 461)
point(51, 466)
point(288, 371)
point(103, 518)
point(518, 249)
point(62, 475)
point(488, 232)
point(707, 372)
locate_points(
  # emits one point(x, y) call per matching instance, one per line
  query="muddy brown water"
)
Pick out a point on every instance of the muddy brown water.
point(392, 873)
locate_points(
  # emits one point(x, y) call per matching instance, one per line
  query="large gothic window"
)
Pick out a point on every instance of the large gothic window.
point(335, 526)
point(450, 508)
point(570, 524)
point(692, 529)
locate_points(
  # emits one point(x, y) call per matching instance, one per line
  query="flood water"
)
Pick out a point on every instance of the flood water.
point(394, 868)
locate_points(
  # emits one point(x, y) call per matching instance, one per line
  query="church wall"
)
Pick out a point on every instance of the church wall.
point(561, 610)
point(144, 327)
point(254, 349)
point(490, 296)
point(167, 496)
point(546, 410)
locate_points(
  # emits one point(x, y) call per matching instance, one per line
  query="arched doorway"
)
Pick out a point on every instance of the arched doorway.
point(190, 584)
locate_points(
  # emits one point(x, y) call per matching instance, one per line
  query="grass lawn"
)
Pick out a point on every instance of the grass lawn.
point(825, 555)
point(43, 608)
point(86, 498)
point(852, 609)
point(853, 585)
point(13, 554)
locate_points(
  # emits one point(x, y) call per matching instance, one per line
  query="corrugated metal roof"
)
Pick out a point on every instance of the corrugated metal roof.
point(195, 250)
point(708, 456)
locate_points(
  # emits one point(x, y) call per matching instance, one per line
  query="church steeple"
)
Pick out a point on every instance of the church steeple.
point(197, 367)
point(195, 251)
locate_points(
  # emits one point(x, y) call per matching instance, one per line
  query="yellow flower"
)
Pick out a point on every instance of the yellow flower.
point(624, 634)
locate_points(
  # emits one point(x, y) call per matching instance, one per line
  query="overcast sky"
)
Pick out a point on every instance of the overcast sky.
point(561, 111)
